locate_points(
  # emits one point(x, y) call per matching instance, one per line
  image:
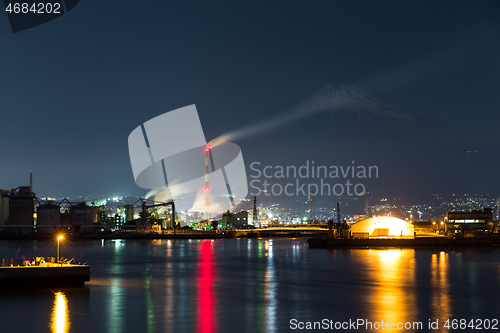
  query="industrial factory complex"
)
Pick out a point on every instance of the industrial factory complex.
point(23, 213)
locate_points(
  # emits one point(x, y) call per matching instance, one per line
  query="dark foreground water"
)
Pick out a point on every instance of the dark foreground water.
point(257, 285)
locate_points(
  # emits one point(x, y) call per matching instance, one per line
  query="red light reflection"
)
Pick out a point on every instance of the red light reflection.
point(206, 282)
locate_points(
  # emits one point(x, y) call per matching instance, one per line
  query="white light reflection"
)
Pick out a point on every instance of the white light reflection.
point(475, 310)
point(116, 307)
point(249, 247)
point(270, 289)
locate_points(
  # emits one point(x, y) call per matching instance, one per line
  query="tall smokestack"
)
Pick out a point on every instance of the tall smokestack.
point(255, 214)
point(207, 188)
point(338, 212)
point(313, 217)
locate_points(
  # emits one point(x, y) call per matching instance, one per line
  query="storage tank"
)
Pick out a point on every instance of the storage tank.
point(48, 214)
point(96, 214)
point(129, 213)
point(4, 208)
point(382, 226)
point(81, 214)
point(21, 206)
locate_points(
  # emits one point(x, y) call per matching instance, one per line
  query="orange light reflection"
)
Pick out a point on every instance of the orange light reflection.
point(440, 303)
point(390, 298)
point(60, 322)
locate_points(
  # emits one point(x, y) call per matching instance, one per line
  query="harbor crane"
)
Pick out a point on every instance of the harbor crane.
point(143, 221)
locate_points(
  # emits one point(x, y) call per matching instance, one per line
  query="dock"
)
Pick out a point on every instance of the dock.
point(27, 277)
point(286, 231)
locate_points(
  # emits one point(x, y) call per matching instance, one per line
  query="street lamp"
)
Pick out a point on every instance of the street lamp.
point(58, 239)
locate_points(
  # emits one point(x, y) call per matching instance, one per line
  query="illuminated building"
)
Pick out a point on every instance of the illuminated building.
point(470, 221)
point(475, 216)
point(382, 226)
point(357, 218)
point(235, 220)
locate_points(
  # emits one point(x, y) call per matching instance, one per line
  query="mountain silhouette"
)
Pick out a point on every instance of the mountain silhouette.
point(416, 155)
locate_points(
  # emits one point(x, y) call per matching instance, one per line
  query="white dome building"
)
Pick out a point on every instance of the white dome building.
point(382, 227)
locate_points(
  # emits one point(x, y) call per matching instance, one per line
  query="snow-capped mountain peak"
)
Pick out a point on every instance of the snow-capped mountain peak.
point(349, 99)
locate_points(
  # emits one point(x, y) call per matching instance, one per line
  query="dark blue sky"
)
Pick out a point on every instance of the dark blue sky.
point(73, 89)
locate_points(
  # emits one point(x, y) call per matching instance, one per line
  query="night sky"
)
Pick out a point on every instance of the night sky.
point(73, 89)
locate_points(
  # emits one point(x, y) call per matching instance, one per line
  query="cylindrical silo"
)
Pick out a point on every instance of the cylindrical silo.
point(21, 206)
point(48, 214)
point(81, 214)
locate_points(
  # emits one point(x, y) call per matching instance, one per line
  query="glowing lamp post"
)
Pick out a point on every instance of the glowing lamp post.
point(58, 239)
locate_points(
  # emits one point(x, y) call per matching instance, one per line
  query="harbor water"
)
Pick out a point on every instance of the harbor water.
point(257, 285)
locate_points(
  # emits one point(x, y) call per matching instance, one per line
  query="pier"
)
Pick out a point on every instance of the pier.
point(44, 277)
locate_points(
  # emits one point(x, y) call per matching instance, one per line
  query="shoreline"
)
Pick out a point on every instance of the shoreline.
point(228, 235)
point(182, 234)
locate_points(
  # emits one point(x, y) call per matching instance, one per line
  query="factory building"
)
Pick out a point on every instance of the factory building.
point(240, 220)
point(21, 206)
point(382, 227)
point(234, 220)
point(129, 213)
point(470, 222)
point(48, 214)
point(471, 217)
point(4, 207)
point(81, 214)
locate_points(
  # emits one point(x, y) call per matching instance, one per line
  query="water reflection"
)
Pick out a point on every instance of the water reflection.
point(270, 289)
point(149, 301)
point(60, 322)
point(206, 283)
point(440, 302)
point(169, 302)
point(116, 306)
point(217, 288)
point(262, 289)
point(169, 291)
point(391, 296)
point(117, 292)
